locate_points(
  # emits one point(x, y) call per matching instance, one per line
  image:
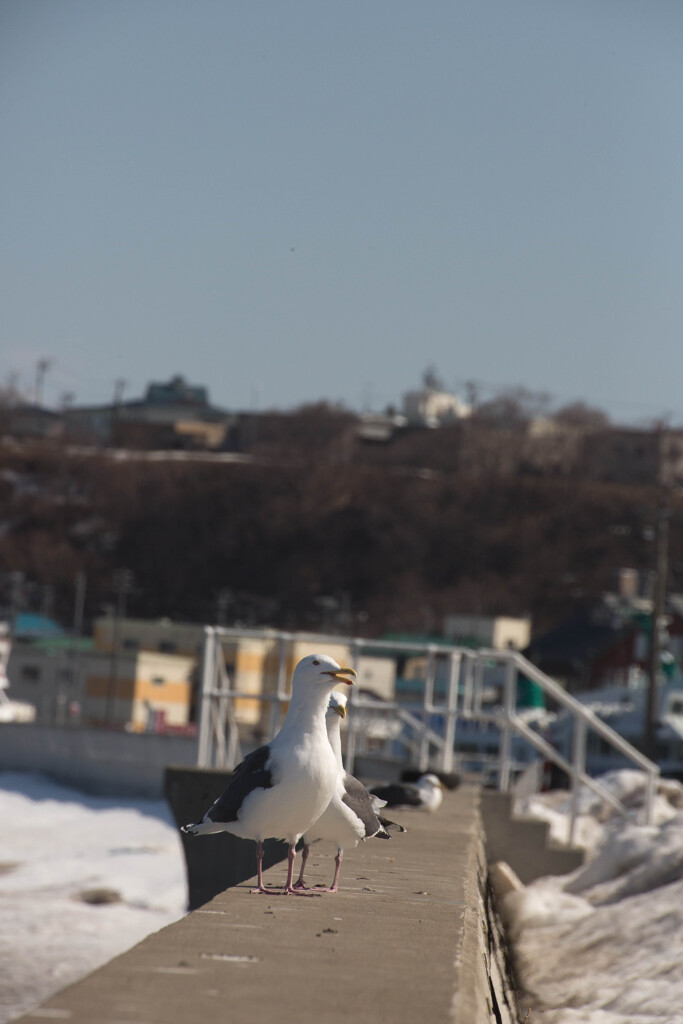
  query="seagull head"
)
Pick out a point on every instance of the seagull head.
point(431, 791)
point(429, 781)
point(319, 671)
point(337, 705)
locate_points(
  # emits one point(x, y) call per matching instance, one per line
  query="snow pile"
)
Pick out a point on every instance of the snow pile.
point(604, 945)
point(56, 845)
point(628, 786)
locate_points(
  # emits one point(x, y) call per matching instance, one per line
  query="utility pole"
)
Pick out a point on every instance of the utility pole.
point(119, 388)
point(123, 584)
point(42, 366)
point(658, 613)
point(75, 706)
point(80, 581)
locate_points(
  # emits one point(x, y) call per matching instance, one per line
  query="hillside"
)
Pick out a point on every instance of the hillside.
point(313, 543)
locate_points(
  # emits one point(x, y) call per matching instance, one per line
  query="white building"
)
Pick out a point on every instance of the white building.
point(499, 632)
point(430, 407)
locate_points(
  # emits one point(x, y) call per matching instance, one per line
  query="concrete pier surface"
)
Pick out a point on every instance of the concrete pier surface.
point(407, 938)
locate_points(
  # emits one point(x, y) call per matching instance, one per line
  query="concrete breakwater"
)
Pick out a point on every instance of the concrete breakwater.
point(409, 937)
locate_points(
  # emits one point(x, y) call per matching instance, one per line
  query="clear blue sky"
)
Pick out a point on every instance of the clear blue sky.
point(289, 200)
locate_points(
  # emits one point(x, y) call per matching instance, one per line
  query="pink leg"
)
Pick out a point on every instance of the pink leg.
point(259, 874)
point(337, 869)
point(289, 888)
point(299, 884)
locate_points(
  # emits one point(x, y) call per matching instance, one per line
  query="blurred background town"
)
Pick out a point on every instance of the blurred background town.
point(443, 519)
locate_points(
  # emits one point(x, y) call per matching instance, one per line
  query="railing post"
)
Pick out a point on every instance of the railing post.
point(455, 659)
point(220, 707)
point(578, 769)
point(509, 702)
point(351, 740)
point(468, 684)
point(352, 731)
point(280, 694)
point(208, 680)
point(478, 686)
point(423, 760)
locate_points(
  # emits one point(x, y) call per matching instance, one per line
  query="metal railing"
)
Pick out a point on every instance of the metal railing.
point(423, 732)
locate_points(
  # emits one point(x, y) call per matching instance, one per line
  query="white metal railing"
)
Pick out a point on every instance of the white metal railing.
point(411, 726)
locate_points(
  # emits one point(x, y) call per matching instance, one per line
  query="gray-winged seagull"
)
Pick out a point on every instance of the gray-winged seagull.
point(351, 814)
point(426, 793)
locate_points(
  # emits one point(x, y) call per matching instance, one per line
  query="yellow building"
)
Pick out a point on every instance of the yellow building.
point(157, 664)
point(140, 690)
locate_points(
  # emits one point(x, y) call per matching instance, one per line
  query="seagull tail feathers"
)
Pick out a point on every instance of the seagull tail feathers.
point(387, 825)
point(200, 828)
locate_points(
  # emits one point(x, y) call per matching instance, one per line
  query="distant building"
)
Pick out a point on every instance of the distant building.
point(631, 456)
point(499, 632)
point(171, 415)
point(69, 681)
point(607, 643)
point(430, 407)
point(379, 428)
point(27, 420)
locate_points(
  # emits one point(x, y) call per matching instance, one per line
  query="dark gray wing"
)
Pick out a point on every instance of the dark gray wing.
point(250, 774)
point(357, 798)
point(398, 794)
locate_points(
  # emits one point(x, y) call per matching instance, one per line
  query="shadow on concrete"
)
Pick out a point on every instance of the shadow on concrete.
point(214, 862)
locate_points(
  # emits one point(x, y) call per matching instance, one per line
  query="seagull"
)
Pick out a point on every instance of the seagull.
point(426, 793)
point(279, 790)
point(352, 813)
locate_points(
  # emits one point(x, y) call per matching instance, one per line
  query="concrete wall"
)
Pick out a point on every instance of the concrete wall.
point(407, 938)
point(95, 760)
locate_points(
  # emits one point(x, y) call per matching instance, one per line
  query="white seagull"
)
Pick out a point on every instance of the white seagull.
point(279, 790)
point(352, 812)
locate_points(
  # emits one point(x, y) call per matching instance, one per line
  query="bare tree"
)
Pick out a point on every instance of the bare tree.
point(512, 409)
point(579, 414)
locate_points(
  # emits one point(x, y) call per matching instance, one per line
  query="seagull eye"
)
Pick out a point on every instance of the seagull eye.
point(316, 662)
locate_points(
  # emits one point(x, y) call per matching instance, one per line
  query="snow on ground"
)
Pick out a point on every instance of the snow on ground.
point(57, 843)
point(604, 944)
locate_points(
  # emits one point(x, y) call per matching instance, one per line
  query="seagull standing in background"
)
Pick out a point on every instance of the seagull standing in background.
point(351, 813)
point(281, 789)
point(426, 793)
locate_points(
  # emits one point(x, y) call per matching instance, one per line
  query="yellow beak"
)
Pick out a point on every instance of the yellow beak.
point(338, 674)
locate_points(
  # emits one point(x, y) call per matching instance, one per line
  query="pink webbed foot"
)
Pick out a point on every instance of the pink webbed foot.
point(305, 891)
point(263, 890)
